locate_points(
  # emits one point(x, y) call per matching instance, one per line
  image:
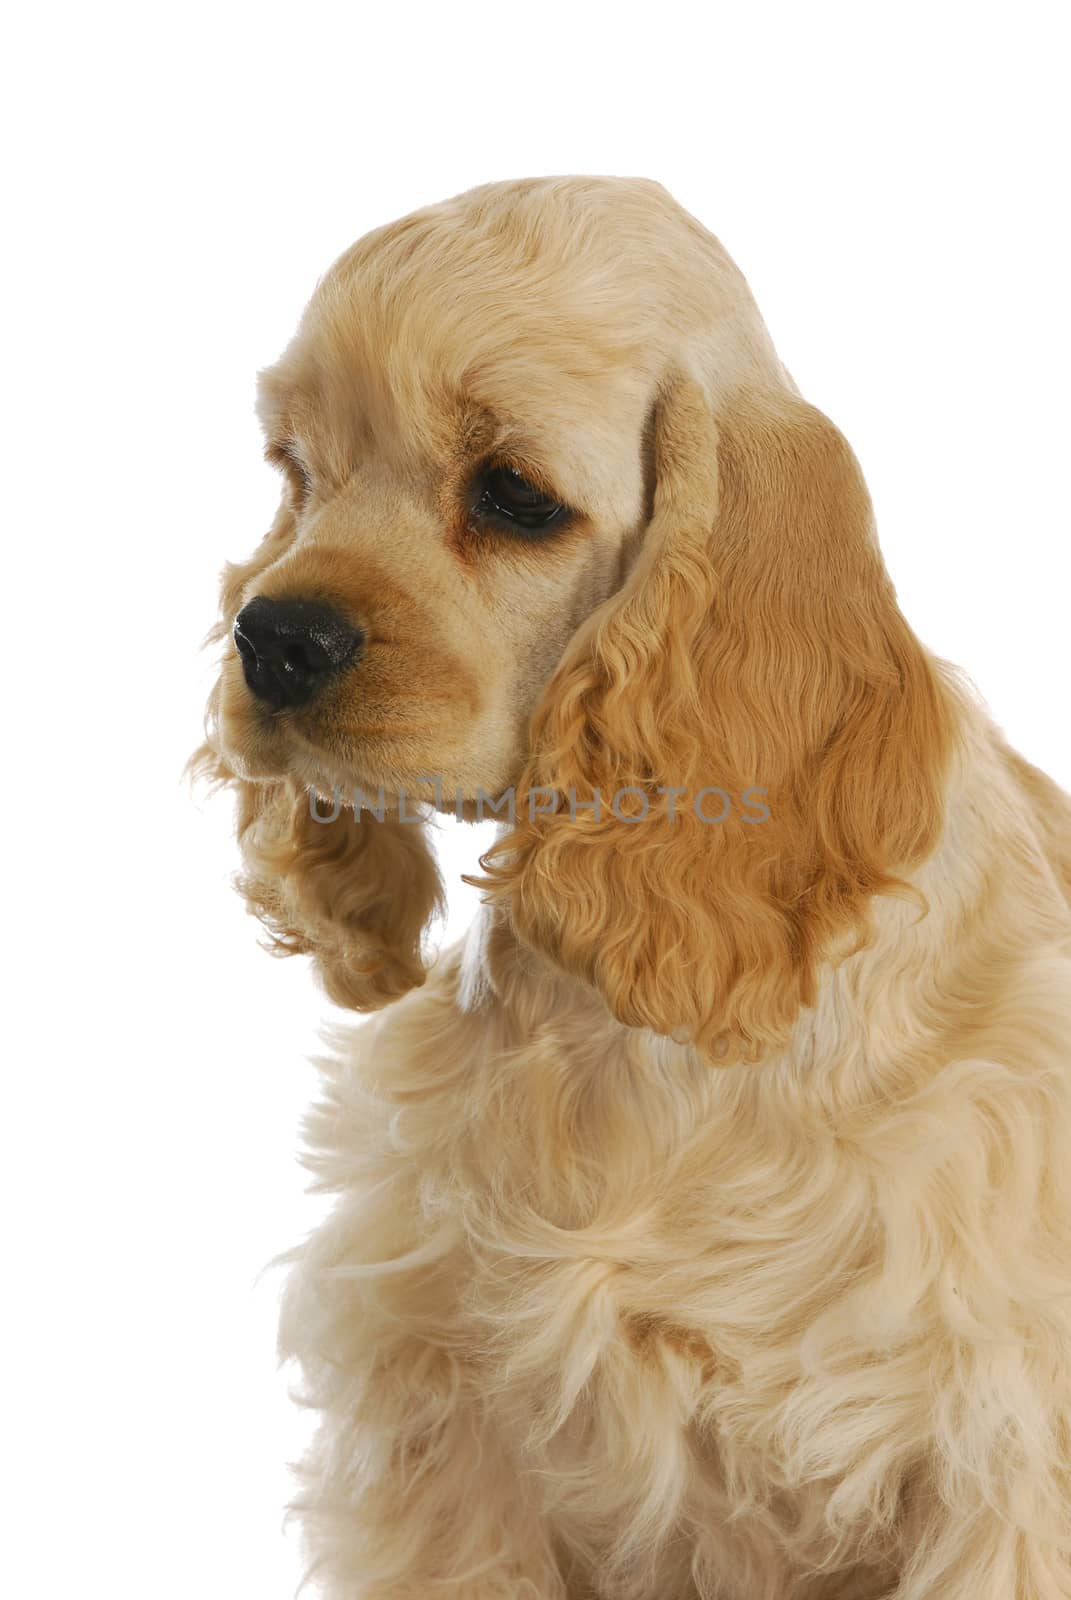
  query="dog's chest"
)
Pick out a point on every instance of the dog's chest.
point(693, 1421)
point(667, 1332)
point(648, 1331)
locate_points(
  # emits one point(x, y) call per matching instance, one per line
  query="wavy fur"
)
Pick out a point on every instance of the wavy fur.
point(702, 1227)
point(759, 644)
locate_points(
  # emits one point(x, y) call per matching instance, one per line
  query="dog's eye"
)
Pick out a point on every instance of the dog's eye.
point(504, 494)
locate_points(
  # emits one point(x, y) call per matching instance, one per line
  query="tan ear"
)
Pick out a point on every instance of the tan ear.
point(354, 892)
point(757, 646)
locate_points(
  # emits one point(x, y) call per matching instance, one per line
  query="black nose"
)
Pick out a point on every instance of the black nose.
point(289, 648)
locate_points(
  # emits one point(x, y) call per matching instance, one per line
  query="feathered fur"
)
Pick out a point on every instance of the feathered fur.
point(702, 1226)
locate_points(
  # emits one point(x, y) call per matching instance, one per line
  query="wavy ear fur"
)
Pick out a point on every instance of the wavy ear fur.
point(757, 645)
point(356, 894)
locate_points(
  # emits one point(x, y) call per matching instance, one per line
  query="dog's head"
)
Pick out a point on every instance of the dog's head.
point(554, 520)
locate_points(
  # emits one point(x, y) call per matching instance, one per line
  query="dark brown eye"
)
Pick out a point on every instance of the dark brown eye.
point(504, 495)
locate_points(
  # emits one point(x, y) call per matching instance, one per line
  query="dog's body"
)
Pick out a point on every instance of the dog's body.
point(704, 1221)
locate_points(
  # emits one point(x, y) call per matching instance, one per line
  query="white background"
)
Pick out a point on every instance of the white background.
point(893, 182)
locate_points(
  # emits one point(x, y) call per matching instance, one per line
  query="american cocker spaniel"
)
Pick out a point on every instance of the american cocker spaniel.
point(703, 1218)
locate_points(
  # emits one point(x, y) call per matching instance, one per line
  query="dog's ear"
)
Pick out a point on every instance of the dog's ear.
point(355, 892)
point(757, 646)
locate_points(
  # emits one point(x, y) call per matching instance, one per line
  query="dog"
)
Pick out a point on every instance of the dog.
point(702, 1219)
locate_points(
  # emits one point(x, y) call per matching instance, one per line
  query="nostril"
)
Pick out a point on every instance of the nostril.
point(295, 657)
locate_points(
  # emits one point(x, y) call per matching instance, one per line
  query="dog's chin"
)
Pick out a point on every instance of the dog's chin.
point(262, 746)
point(254, 755)
point(364, 776)
point(338, 763)
point(276, 754)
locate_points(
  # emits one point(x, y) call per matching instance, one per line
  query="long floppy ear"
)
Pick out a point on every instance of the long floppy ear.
point(756, 647)
point(357, 891)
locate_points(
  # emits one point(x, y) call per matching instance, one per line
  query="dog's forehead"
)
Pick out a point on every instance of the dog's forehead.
point(551, 307)
point(419, 354)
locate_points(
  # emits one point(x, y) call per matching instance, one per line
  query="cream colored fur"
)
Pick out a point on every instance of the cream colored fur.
point(702, 1226)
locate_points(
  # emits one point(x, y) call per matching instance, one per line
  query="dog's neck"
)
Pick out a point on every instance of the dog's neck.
point(929, 988)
